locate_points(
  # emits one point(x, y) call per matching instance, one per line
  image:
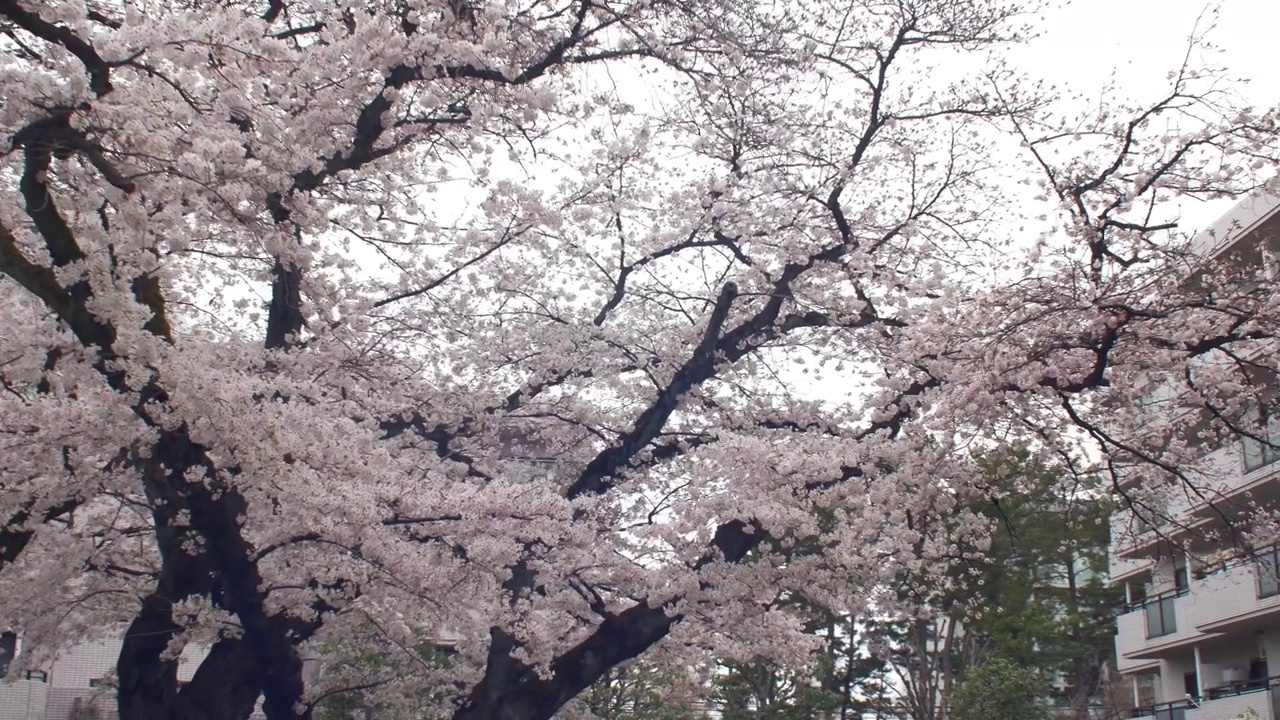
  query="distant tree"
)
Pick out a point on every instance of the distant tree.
point(396, 682)
point(759, 689)
point(1036, 594)
point(844, 680)
point(1001, 690)
point(638, 691)
point(1040, 596)
point(923, 657)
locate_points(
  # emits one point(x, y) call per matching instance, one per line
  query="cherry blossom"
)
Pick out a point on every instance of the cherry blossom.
point(551, 330)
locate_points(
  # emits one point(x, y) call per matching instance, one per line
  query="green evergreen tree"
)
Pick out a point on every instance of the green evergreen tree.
point(640, 691)
point(1001, 690)
point(1037, 595)
point(844, 680)
point(1040, 596)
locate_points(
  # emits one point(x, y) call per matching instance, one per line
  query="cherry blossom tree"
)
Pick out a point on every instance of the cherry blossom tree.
point(397, 319)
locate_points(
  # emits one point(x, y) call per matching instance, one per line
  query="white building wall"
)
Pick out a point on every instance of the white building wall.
point(1234, 707)
point(1245, 216)
point(75, 666)
point(1228, 594)
point(1172, 677)
point(23, 700)
point(1224, 597)
point(74, 682)
point(75, 703)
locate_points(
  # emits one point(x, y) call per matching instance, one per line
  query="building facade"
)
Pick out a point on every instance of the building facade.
point(1199, 635)
point(76, 685)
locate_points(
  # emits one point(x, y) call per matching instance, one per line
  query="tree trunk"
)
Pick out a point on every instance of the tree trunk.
point(265, 660)
point(1083, 679)
point(947, 669)
point(224, 687)
point(512, 690)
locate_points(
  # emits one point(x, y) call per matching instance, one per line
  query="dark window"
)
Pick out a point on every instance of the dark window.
point(1191, 684)
point(1268, 569)
point(1181, 580)
point(1262, 452)
point(1137, 592)
point(1161, 619)
point(8, 651)
point(37, 675)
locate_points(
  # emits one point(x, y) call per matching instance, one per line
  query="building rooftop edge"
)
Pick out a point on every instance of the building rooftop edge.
point(1237, 222)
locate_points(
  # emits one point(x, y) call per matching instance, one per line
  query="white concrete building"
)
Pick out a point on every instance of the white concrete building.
point(75, 686)
point(1199, 636)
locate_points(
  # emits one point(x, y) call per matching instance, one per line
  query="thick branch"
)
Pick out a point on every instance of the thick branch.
point(700, 366)
point(15, 536)
point(523, 694)
point(96, 68)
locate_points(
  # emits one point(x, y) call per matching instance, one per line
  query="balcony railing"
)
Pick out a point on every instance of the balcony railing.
point(1163, 622)
point(1236, 588)
point(1149, 600)
point(1176, 710)
point(1160, 612)
point(1253, 704)
point(1243, 687)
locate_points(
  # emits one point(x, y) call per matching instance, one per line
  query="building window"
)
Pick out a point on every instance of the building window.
point(1143, 522)
point(1268, 569)
point(1261, 454)
point(1161, 619)
point(36, 675)
point(1181, 579)
point(8, 651)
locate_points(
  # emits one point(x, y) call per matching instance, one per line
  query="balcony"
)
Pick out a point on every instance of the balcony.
point(1156, 624)
point(1243, 701)
point(1176, 710)
point(1219, 475)
point(1239, 701)
point(1240, 595)
point(1213, 486)
point(1254, 700)
point(1121, 568)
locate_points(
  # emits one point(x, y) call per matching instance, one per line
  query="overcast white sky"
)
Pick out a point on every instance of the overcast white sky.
point(1140, 40)
point(1084, 42)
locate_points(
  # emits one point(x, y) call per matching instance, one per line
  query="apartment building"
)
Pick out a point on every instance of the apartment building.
point(1199, 635)
point(76, 685)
